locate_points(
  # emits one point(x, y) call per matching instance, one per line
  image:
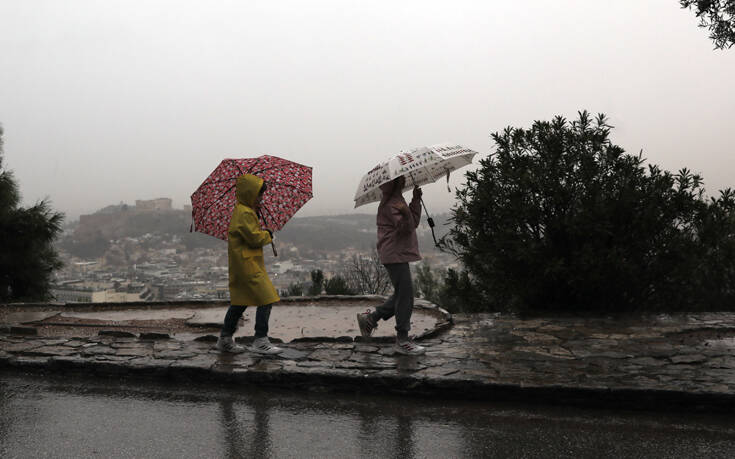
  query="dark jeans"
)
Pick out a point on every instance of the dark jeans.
point(400, 304)
point(262, 314)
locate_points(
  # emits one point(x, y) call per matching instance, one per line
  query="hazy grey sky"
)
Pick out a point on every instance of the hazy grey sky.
point(109, 101)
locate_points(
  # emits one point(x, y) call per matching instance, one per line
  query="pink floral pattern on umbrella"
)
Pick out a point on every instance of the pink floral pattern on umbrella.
point(289, 188)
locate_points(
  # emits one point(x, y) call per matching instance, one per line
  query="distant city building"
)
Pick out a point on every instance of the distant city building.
point(69, 294)
point(74, 295)
point(139, 258)
point(153, 204)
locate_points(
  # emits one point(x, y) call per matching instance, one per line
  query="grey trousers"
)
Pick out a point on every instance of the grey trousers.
point(400, 304)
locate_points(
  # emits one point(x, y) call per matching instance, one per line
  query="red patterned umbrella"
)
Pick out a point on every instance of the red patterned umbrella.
point(289, 187)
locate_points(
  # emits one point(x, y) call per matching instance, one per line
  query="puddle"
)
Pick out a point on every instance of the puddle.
point(24, 317)
point(724, 343)
point(132, 314)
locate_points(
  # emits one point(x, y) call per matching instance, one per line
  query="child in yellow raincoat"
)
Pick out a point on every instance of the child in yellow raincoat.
point(249, 282)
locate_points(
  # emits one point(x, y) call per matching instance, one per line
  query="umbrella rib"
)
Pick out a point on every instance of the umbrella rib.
point(238, 167)
point(263, 170)
point(214, 201)
point(223, 180)
point(290, 186)
point(277, 183)
point(220, 181)
point(428, 171)
point(269, 213)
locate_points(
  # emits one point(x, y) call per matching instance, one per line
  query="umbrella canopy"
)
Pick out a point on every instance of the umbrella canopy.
point(420, 166)
point(288, 189)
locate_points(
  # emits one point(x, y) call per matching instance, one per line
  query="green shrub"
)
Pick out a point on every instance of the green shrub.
point(561, 219)
point(27, 256)
point(294, 289)
point(450, 289)
point(716, 15)
point(337, 285)
point(317, 282)
point(427, 284)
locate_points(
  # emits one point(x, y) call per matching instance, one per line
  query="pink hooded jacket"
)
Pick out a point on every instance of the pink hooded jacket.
point(397, 241)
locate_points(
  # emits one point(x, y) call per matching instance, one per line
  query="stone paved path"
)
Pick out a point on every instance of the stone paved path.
point(656, 362)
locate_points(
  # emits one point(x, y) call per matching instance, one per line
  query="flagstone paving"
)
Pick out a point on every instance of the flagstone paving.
point(298, 318)
point(655, 362)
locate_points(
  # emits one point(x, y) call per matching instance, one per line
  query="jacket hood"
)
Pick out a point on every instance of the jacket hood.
point(387, 188)
point(390, 188)
point(247, 189)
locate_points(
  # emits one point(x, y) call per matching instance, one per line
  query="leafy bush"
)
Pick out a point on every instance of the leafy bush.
point(561, 219)
point(365, 275)
point(449, 289)
point(718, 16)
point(457, 293)
point(715, 259)
point(427, 284)
point(317, 282)
point(27, 256)
point(90, 247)
point(295, 289)
point(337, 285)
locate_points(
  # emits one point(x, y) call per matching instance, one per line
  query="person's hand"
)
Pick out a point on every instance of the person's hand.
point(270, 232)
point(417, 193)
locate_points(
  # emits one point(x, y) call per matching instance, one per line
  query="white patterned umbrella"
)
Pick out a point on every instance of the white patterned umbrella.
point(420, 166)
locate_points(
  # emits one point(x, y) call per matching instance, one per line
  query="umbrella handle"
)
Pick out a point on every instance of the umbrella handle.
point(430, 221)
point(275, 252)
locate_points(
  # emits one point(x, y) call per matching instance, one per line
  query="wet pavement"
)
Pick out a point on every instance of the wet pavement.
point(288, 323)
point(292, 319)
point(80, 417)
point(681, 362)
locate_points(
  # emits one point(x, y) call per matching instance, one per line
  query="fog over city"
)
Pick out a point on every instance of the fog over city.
point(112, 101)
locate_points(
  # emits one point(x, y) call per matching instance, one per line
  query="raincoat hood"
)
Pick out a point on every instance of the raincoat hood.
point(247, 189)
point(389, 189)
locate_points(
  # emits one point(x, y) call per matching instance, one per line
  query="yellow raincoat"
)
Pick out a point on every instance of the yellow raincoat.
point(249, 282)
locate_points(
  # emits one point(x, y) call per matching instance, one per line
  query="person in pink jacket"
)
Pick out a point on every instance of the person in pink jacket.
point(397, 246)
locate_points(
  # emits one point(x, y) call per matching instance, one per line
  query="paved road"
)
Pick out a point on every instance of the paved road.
point(54, 417)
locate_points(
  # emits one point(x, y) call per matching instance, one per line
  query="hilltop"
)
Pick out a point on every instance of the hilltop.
point(90, 237)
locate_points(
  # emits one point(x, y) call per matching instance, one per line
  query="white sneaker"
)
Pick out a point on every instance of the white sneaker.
point(365, 322)
point(264, 346)
point(227, 344)
point(408, 347)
